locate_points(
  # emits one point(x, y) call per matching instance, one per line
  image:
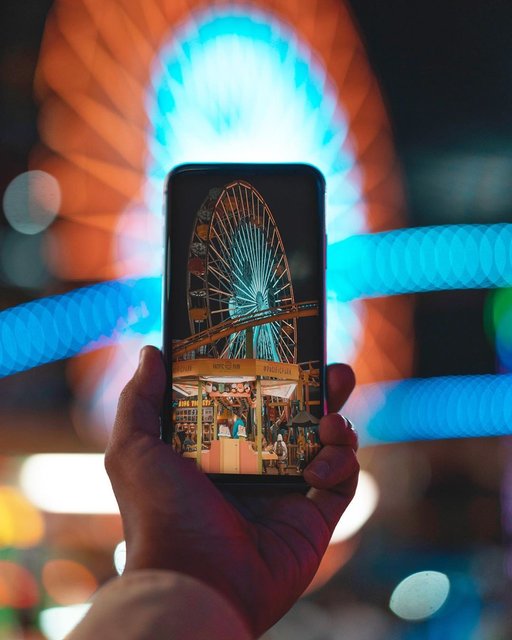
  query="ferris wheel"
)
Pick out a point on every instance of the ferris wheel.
point(238, 268)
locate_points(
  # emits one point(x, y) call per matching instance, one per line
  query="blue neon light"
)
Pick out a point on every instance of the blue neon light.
point(61, 326)
point(404, 261)
point(421, 259)
point(236, 85)
point(432, 408)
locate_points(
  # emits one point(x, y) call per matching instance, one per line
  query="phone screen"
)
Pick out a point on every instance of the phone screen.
point(244, 318)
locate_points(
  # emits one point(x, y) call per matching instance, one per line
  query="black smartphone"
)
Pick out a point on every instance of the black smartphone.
point(244, 319)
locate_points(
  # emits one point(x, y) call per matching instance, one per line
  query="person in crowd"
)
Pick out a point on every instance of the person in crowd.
point(261, 553)
point(188, 443)
point(301, 457)
point(239, 428)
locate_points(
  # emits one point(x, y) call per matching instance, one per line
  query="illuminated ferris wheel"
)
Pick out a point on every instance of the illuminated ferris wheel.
point(237, 269)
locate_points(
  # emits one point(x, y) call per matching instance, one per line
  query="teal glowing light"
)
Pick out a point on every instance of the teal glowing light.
point(432, 408)
point(236, 85)
point(61, 326)
point(421, 259)
point(394, 262)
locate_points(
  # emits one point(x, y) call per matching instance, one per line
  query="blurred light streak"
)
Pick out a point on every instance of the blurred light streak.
point(383, 264)
point(57, 622)
point(21, 524)
point(359, 510)
point(32, 201)
point(60, 326)
point(421, 259)
point(68, 582)
point(432, 408)
point(68, 483)
point(420, 595)
point(18, 587)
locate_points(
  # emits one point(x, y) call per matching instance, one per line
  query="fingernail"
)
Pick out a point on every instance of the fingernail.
point(321, 469)
point(349, 424)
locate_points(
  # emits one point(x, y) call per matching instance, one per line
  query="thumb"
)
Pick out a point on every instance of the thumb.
point(141, 400)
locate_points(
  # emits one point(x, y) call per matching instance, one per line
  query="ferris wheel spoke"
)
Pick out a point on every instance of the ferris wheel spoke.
point(240, 351)
point(234, 211)
point(219, 274)
point(276, 280)
point(221, 241)
point(268, 268)
point(241, 200)
point(276, 267)
point(227, 232)
point(222, 293)
point(251, 253)
point(248, 302)
point(288, 355)
point(272, 344)
point(245, 242)
point(261, 249)
point(220, 258)
point(227, 347)
point(247, 288)
point(226, 217)
point(282, 288)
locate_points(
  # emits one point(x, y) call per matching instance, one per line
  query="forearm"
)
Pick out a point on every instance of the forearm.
point(160, 605)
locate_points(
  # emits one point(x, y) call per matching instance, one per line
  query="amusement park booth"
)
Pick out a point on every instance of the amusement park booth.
point(203, 377)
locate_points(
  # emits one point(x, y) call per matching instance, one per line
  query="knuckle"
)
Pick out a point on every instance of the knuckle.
point(109, 460)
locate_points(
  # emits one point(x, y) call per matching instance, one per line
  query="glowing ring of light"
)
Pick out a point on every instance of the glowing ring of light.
point(95, 68)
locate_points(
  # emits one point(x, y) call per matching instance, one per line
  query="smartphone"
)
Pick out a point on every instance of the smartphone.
point(244, 319)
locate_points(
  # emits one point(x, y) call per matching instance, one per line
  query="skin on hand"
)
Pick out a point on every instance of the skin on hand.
point(263, 552)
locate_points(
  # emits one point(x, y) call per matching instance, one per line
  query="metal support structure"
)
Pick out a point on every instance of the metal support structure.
point(199, 432)
point(259, 427)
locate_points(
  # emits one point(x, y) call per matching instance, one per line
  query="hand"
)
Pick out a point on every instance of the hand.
point(261, 554)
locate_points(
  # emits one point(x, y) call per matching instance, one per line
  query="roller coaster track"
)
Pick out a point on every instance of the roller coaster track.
point(234, 325)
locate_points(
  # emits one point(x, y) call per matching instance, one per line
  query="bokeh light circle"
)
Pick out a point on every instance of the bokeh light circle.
point(68, 582)
point(21, 524)
point(32, 201)
point(420, 595)
point(18, 587)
